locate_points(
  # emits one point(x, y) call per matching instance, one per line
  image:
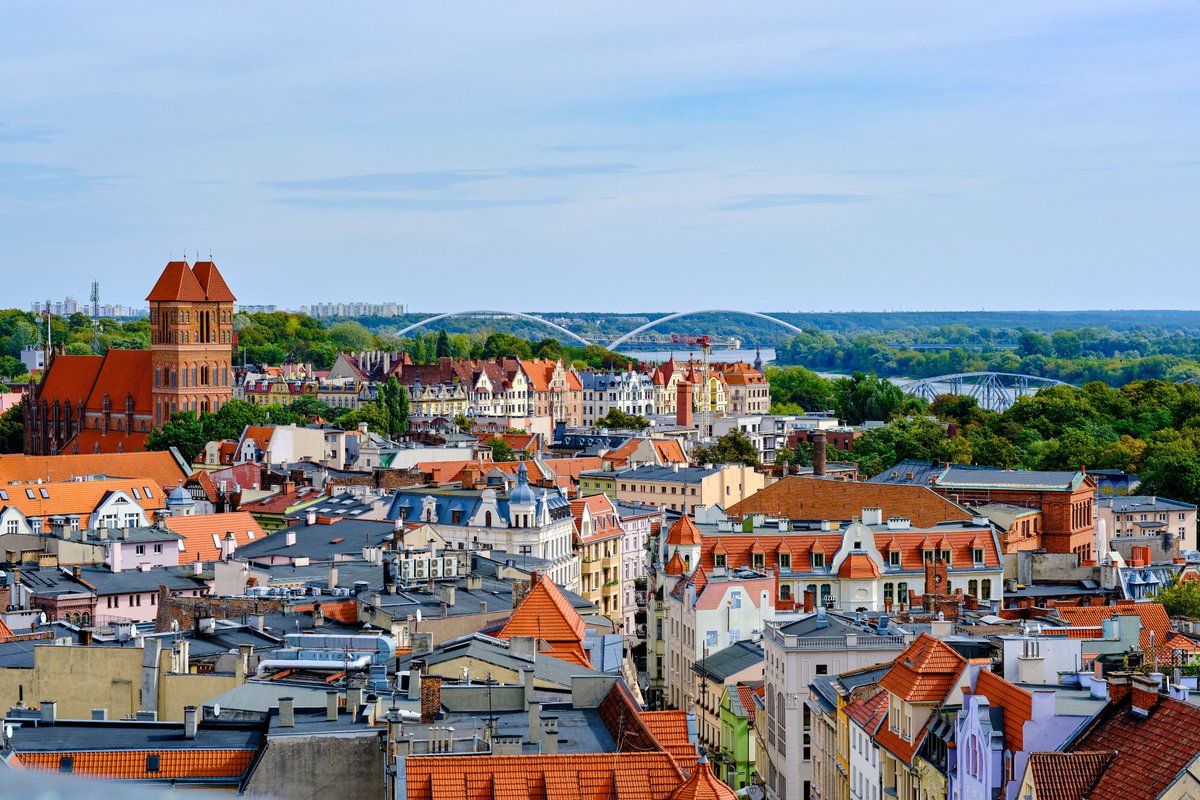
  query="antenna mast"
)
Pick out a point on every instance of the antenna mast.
point(96, 317)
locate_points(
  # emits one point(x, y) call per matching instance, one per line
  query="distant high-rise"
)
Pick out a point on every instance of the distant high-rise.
point(357, 309)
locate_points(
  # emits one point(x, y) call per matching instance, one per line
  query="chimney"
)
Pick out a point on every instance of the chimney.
point(289, 536)
point(548, 735)
point(49, 710)
point(289, 487)
point(1118, 686)
point(333, 577)
point(447, 593)
point(535, 718)
point(228, 546)
point(183, 655)
point(258, 622)
point(414, 680)
point(310, 517)
point(318, 617)
point(422, 644)
point(354, 701)
point(683, 404)
point(189, 722)
point(810, 601)
point(331, 706)
point(523, 646)
point(1031, 667)
point(197, 566)
point(431, 698)
point(818, 440)
point(1145, 689)
point(872, 516)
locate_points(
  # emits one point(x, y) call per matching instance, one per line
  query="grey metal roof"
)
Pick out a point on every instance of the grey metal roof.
point(1143, 504)
point(102, 581)
point(117, 735)
point(723, 664)
point(656, 474)
point(492, 651)
point(317, 542)
point(960, 477)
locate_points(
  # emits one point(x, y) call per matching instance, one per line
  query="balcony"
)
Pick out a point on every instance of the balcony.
point(640, 599)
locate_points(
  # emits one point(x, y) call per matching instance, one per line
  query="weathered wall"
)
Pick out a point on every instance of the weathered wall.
point(320, 768)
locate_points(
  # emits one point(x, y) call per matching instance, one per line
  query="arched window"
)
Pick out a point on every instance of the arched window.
point(986, 589)
point(487, 519)
point(973, 587)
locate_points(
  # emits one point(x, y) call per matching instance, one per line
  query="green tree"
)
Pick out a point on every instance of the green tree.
point(350, 335)
point(618, 420)
point(1181, 599)
point(548, 348)
point(463, 423)
point(501, 345)
point(1032, 343)
point(863, 397)
point(443, 348)
point(501, 450)
point(372, 413)
point(734, 447)
point(309, 408)
point(184, 431)
point(1172, 469)
point(802, 387)
point(12, 430)
point(393, 399)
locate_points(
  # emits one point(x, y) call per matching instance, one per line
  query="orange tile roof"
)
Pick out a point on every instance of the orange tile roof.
point(858, 565)
point(800, 497)
point(177, 283)
point(868, 712)
point(210, 280)
point(95, 441)
point(131, 764)
point(599, 507)
point(703, 785)
point(925, 672)
point(619, 455)
point(197, 532)
point(341, 610)
point(161, 467)
point(669, 451)
point(79, 497)
point(546, 614)
point(1090, 621)
point(70, 378)
point(627, 776)
point(1016, 703)
point(684, 531)
point(675, 565)
point(1067, 776)
point(671, 730)
point(124, 372)
point(446, 471)
point(571, 467)
point(5, 631)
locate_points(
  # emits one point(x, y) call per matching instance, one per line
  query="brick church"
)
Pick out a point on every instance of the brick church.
point(109, 403)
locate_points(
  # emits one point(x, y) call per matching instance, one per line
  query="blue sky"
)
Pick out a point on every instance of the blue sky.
point(610, 157)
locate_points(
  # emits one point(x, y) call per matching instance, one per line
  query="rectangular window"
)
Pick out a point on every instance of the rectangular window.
point(735, 599)
point(140, 550)
point(785, 561)
point(818, 560)
point(977, 555)
point(719, 560)
point(158, 548)
point(894, 558)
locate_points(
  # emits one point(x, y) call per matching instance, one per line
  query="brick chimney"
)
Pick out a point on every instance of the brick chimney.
point(431, 698)
point(1118, 686)
point(810, 601)
point(1145, 689)
point(819, 447)
point(683, 404)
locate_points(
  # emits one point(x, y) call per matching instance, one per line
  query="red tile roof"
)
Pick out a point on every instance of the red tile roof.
point(210, 280)
point(124, 372)
point(684, 531)
point(675, 565)
point(703, 785)
point(70, 378)
point(799, 497)
point(670, 728)
point(858, 565)
point(131, 764)
point(1067, 776)
point(547, 615)
point(1089, 621)
point(177, 283)
point(868, 712)
point(161, 467)
point(627, 776)
point(669, 451)
point(1150, 751)
point(198, 530)
point(924, 673)
point(1015, 702)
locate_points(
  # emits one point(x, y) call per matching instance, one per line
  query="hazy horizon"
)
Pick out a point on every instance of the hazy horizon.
point(879, 158)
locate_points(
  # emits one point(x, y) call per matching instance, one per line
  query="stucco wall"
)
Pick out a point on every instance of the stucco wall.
point(320, 768)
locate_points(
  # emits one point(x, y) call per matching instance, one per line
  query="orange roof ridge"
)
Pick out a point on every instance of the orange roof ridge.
point(544, 613)
point(177, 283)
point(684, 531)
point(703, 785)
point(211, 281)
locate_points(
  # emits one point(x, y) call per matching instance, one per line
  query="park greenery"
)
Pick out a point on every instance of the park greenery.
point(1181, 599)
point(1151, 428)
point(616, 419)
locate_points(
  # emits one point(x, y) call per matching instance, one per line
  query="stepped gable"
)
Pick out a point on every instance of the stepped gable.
point(177, 283)
point(212, 283)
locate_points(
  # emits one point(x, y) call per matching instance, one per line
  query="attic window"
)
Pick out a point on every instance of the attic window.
point(29, 493)
point(894, 558)
point(66, 764)
point(147, 492)
point(977, 555)
point(946, 556)
point(719, 560)
point(136, 495)
point(152, 762)
point(216, 541)
point(3, 495)
point(818, 560)
point(758, 560)
point(338, 540)
point(785, 561)
point(45, 495)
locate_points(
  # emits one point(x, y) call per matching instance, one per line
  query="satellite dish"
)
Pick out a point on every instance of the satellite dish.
point(175, 626)
point(8, 731)
point(418, 615)
point(216, 709)
point(42, 618)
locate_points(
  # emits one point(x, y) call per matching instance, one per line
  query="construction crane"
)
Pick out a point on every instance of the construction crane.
point(96, 317)
point(705, 345)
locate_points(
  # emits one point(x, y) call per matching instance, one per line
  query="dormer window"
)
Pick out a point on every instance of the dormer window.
point(785, 561)
point(928, 556)
point(719, 560)
point(894, 558)
point(818, 560)
point(977, 555)
point(946, 556)
point(758, 560)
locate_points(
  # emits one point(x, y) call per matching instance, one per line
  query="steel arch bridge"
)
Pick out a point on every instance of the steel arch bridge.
point(995, 391)
point(615, 343)
point(528, 317)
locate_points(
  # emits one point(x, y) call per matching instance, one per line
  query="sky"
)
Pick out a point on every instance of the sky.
point(792, 156)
